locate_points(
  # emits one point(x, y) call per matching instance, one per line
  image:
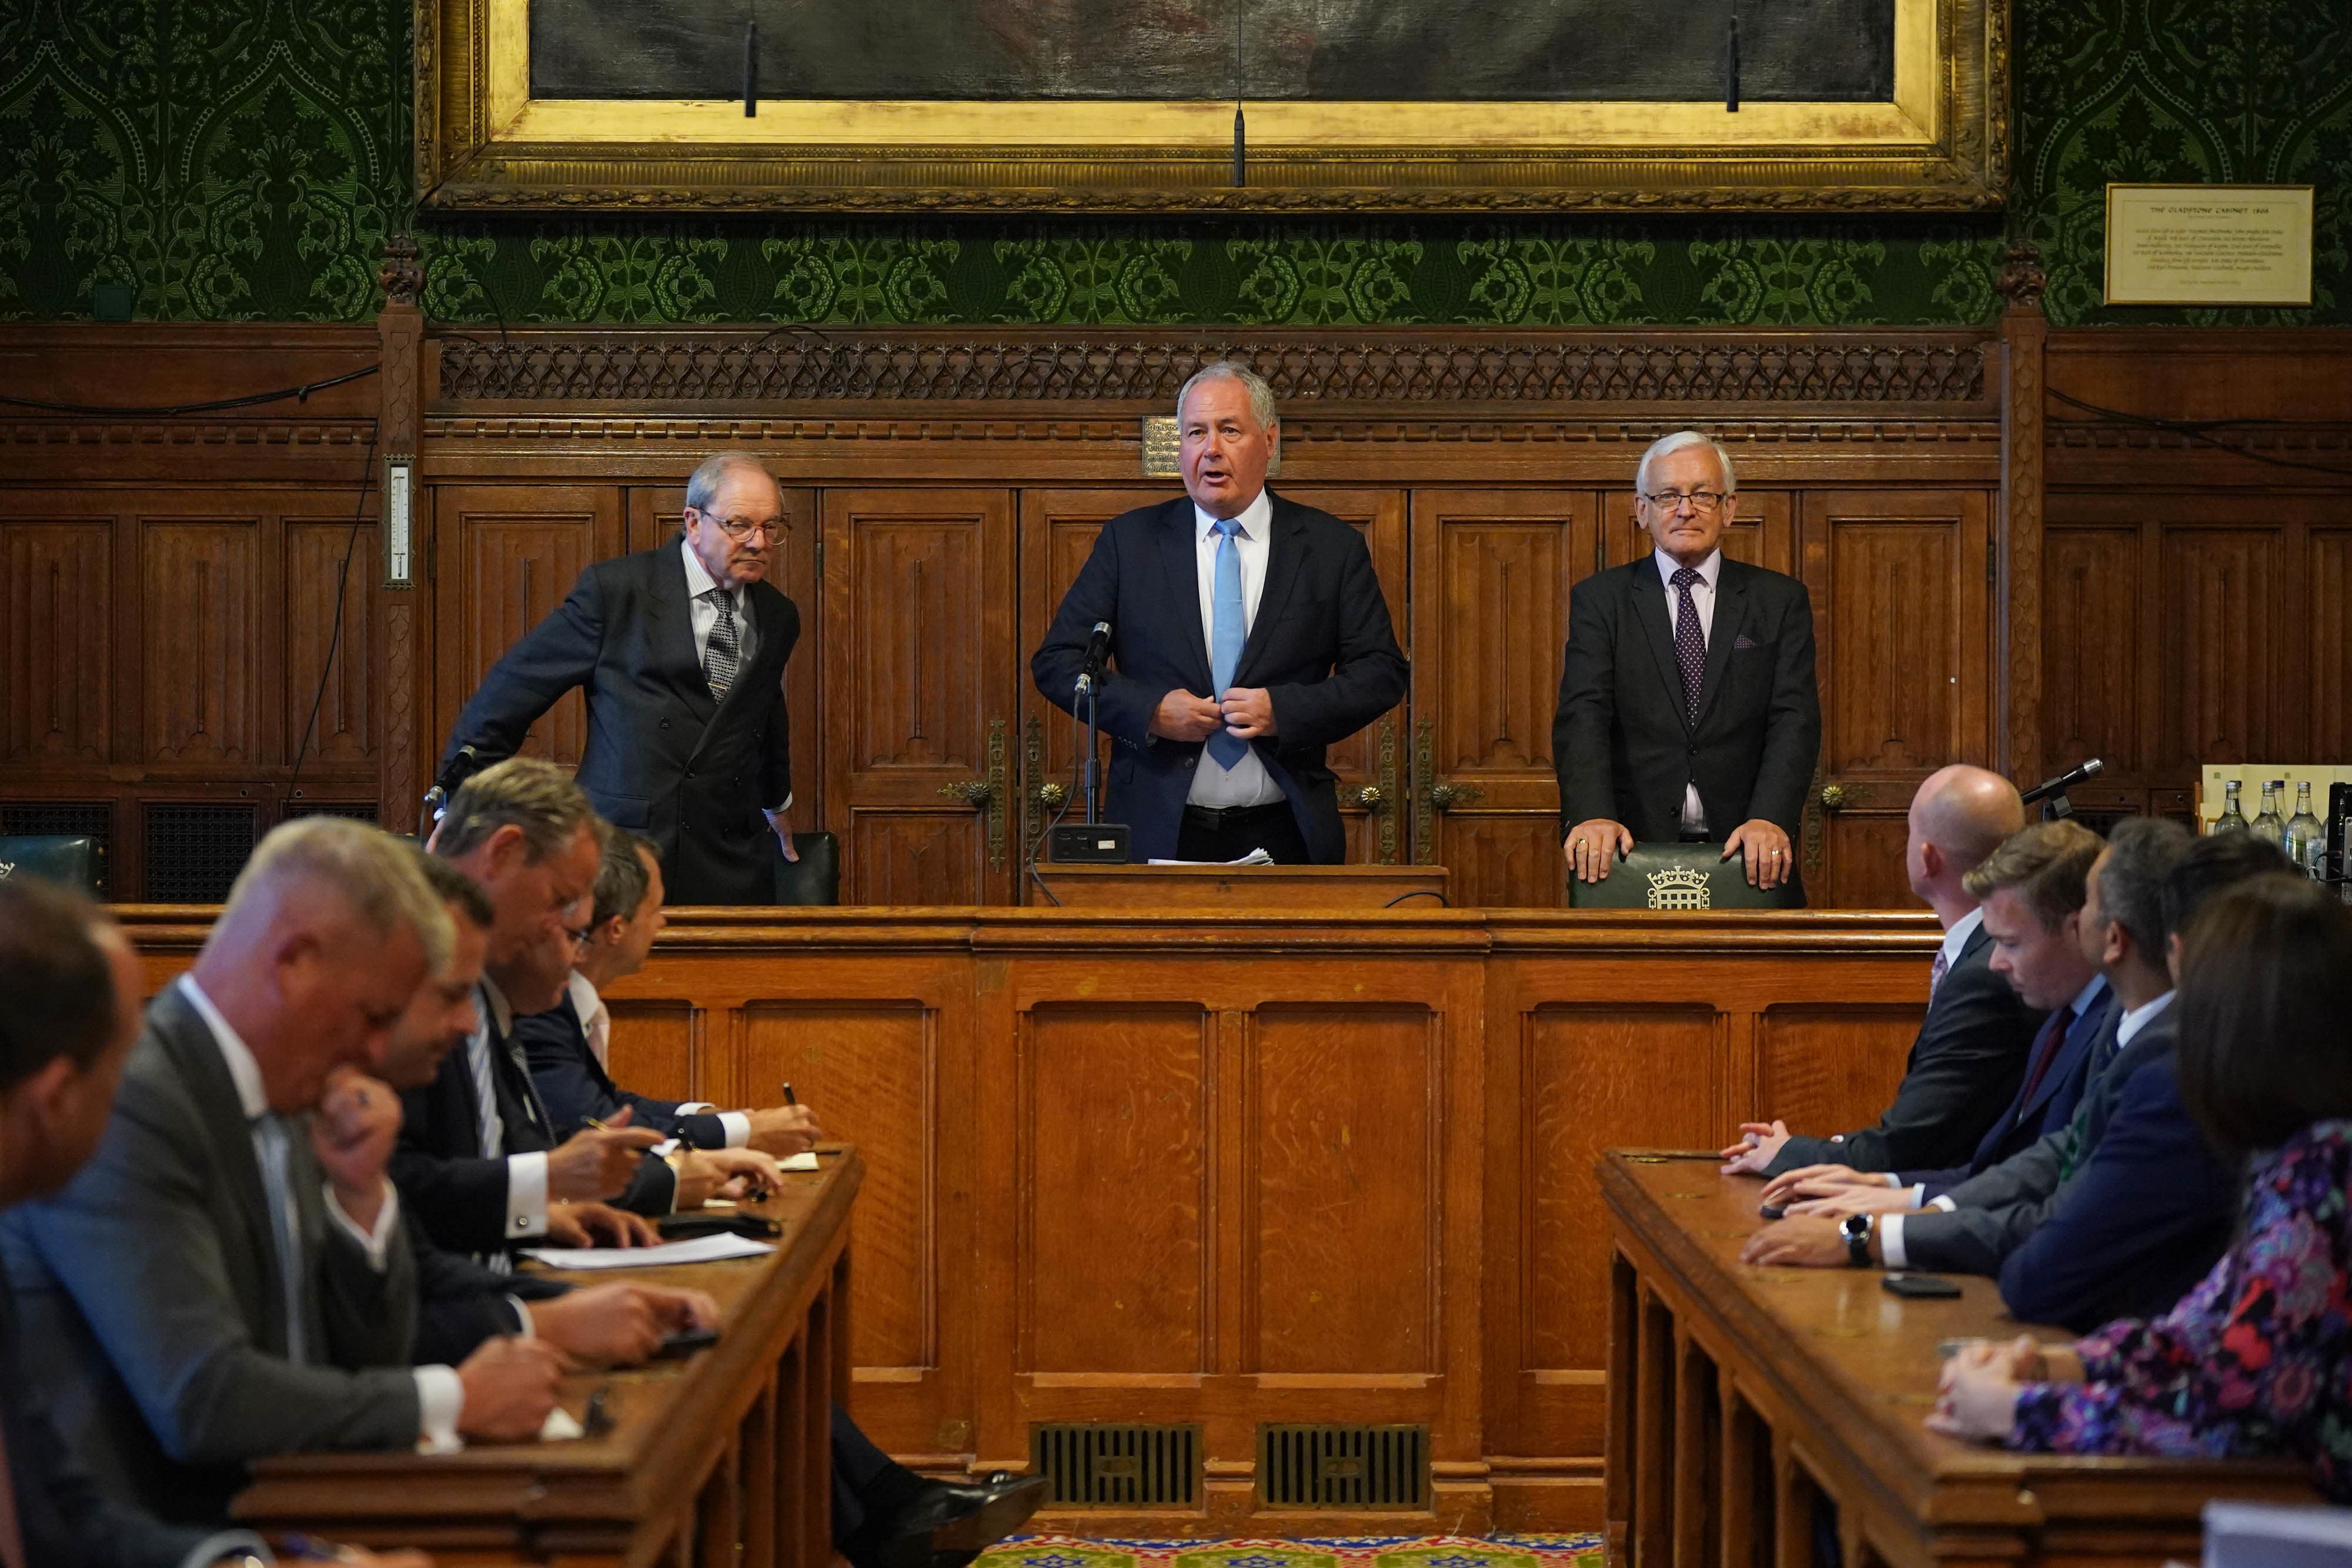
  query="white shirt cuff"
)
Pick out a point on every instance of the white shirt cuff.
point(739, 1128)
point(440, 1402)
point(374, 1245)
point(1918, 1195)
point(1890, 1242)
point(1891, 1179)
point(522, 1316)
point(527, 1195)
point(694, 1107)
point(1943, 1201)
point(213, 1548)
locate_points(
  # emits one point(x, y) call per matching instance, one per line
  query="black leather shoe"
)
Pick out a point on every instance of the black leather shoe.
point(946, 1525)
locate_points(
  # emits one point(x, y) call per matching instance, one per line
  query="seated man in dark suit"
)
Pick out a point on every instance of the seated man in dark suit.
point(1970, 1056)
point(2033, 889)
point(679, 651)
point(72, 984)
point(478, 1161)
point(1247, 633)
point(1687, 704)
point(227, 1276)
point(567, 1048)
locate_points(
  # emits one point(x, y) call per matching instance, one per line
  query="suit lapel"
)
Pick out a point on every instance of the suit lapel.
point(1286, 559)
point(1730, 616)
point(1180, 554)
point(188, 1040)
point(767, 625)
point(673, 634)
point(1656, 616)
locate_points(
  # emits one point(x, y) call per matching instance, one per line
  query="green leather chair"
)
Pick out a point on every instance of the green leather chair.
point(1681, 876)
point(78, 863)
point(816, 877)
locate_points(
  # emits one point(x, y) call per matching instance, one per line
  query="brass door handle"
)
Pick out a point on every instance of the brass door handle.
point(973, 792)
point(1837, 797)
point(1372, 798)
point(1444, 795)
point(1051, 793)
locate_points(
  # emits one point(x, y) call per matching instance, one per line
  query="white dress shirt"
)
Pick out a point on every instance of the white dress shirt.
point(1957, 938)
point(703, 615)
point(526, 1174)
point(1702, 600)
point(1246, 783)
point(440, 1396)
point(2138, 1018)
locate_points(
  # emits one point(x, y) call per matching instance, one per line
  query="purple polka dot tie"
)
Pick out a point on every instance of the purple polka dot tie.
point(1690, 642)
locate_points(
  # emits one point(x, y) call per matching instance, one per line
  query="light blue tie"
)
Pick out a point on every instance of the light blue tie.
point(271, 1137)
point(1228, 629)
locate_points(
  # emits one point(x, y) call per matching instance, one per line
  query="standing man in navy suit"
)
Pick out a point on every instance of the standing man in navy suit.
point(680, 650)
point(1687, 707)
point(1248, 634)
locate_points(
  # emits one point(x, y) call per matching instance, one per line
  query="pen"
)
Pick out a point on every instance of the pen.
point(788, 1100)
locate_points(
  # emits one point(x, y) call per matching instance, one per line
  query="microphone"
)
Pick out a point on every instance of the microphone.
point(1098, 650)
point(462, 765)
point(2064, 781)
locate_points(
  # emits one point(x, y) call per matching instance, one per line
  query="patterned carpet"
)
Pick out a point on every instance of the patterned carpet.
point(1335, 1552)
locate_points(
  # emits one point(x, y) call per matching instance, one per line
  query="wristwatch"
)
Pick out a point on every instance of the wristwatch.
point(1856, 1229)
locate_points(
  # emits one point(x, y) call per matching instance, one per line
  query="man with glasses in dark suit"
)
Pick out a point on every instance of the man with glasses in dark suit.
point(680, 650)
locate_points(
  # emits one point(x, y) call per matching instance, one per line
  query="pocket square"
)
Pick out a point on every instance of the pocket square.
point(1744, 641)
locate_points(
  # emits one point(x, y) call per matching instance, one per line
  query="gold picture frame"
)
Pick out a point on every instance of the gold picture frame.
point(483, 142)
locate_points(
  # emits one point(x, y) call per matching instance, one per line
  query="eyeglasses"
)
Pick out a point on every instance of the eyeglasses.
point(743, 527)
point(1701, 501)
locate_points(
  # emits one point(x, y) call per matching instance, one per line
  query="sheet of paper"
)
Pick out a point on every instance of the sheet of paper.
point(1255, 857)
point(804, 1161)
point(701, 1250)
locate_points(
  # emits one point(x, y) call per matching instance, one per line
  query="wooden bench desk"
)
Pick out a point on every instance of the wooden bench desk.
point(719, 1459)
point(1737, 1394)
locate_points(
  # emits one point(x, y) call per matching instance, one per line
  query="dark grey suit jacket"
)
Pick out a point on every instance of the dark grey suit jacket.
point(150, 1305)
point(1964, 1070)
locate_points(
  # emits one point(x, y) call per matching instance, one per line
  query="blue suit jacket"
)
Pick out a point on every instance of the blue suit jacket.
point(2050, 1107)
point(1321, 645)
point(573, 1086)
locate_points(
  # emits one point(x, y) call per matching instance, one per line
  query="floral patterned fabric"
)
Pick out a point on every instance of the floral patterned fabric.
point(2255, 1362)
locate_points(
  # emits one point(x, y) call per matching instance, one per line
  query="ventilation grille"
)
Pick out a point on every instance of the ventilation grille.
point(64, 820)
point(1103, 1465)
point(1343, 1466)
point(357, 811)
point(193, 852)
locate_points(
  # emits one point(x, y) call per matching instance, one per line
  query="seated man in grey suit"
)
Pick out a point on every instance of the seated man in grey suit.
point(227, 1278)
point(72, 984)
point(1970, 1056)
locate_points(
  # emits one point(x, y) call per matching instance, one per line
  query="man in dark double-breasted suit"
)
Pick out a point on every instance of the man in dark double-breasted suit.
point(1247, 633)
point(680, 650)
point(1687, 706)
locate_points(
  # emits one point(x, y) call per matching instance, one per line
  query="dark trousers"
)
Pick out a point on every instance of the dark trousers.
point(868, 1486)
point(1231, 834)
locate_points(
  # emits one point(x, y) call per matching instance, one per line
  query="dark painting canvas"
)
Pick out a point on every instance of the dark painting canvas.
point(1314, 50)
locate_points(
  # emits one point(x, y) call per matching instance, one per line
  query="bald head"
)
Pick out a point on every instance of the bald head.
point(1960, 815)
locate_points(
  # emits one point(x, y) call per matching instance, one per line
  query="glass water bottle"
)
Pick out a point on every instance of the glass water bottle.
point(2232, 819)
point(2270, 826)
point(2306, 837)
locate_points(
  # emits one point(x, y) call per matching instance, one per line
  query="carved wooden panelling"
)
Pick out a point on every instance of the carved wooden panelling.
point(314, 552)
point(56, 599)
point(1503, 859)
point(1832, 1067)
point(1115, 1199)
point(937, 856)
point(1379, 516)
point(2224, 616)
point(1341, 1259)
point(201, 598)
point(1866, 870)
point(518, 550)
point(2092, 657)
point(1057, 534)
point(1898, 643)
point(867, 1069)
point(1588, 1078)
point(2329, 638)
point(652, 1050)
point(1762, 532)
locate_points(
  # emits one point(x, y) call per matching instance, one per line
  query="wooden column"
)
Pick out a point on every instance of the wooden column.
point(400, 337)
point(2024, 339)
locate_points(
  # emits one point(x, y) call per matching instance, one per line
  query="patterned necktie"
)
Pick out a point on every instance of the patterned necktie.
point(720, 658)
point(1227, 631)
point(1690, 642)
point(1936, 973)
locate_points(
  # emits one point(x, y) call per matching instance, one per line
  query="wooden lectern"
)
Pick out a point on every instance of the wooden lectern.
point(1253, 889)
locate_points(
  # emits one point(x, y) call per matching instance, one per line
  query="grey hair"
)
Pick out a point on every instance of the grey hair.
point(1675, 442)
point(702, 484)
point(373, 873)
point(528, 792)
point(1261, 396)
point(2141, 853)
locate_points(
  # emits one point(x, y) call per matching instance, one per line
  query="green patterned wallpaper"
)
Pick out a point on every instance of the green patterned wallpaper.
point(245, 159)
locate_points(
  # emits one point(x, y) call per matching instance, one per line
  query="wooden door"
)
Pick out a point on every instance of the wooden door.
point(920, 683)
point(1057, 533)
point(1492, 570)
point(655, 516)
point(505, 555)
point(1901, 591)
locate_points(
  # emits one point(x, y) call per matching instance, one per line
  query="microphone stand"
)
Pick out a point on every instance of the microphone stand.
point(1087, 692)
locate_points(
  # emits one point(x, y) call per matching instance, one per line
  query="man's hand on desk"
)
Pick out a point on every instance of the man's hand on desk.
point(1181, 716)
point(1248, 711)
point(1803, 1243)
point(619, 1325)
point(353, 1133)
point(1837, 1202)
point(509, 1387)
point(596, 1225)
point(783, 1131)
point(706, 1174)
point(1767, 849)
point(1780, 1187)
point(597, 1162)
point(1759, 1144)
point(1593, 847)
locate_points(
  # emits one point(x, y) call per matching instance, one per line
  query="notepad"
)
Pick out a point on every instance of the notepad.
point(701, 1250)
point(1255, 857)
point(804, 1161)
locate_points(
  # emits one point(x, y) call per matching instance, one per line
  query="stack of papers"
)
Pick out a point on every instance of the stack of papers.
point(701, 1250)
point(1255, 857)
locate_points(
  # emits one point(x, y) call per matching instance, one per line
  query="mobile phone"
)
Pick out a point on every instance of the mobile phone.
point(1920, 1287)
point(686, 1226)
point(686, 1342)
point(1770, 1210)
